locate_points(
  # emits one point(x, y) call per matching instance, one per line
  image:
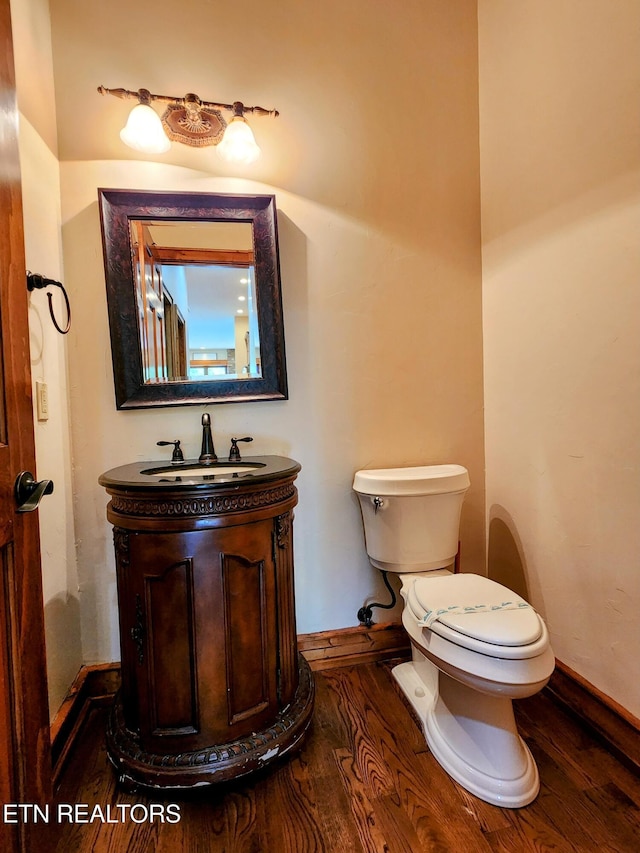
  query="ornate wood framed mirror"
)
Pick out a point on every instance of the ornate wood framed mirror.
point(194, 297)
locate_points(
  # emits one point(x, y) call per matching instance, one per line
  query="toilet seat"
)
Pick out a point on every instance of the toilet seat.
point(503, 625)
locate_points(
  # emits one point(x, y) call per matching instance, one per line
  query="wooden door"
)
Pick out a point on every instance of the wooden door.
point(25, 773)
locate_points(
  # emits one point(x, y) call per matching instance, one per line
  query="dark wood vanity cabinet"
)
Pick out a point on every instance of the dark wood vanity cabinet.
point(212, 683)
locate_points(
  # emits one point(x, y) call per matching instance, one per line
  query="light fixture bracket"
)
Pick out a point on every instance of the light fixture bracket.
point(193, 124)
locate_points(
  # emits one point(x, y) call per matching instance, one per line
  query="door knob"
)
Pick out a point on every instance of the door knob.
point(29, 492)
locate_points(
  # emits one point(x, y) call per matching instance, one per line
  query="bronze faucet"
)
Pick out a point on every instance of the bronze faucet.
point(207, 453)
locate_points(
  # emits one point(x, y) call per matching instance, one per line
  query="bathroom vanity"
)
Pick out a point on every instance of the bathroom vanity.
point(213, 686)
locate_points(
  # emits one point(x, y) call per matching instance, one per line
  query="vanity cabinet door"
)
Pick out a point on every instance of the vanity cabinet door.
point(199, 635)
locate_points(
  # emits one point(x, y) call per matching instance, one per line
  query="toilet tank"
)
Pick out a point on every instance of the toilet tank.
point(411, 516)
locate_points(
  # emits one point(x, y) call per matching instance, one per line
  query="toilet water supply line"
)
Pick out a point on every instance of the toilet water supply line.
point(365, 615)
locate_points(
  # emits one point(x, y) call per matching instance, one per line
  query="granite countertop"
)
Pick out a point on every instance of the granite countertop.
point(192, 474)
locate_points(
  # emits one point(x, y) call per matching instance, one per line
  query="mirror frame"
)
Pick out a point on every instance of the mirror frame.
point(117, 209)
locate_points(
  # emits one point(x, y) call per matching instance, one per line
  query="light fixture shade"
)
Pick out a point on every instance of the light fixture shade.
point(238, 143)
point(143, 131)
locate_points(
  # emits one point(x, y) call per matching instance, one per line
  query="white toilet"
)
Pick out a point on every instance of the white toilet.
point(476, 645)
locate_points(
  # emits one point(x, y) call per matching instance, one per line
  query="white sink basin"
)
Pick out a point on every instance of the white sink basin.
point(204, 471)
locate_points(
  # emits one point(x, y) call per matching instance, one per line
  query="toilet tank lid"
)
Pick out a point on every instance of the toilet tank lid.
point(416, 480)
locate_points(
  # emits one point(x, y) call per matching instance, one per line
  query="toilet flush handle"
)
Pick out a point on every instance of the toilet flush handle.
point(377, 502)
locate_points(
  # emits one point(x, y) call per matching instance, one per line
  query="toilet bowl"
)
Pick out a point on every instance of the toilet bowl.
point(476, 645)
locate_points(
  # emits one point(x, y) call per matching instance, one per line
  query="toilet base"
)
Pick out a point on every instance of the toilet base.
point(472, 735)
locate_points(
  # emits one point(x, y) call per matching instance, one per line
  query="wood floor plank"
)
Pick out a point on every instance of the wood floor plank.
point(363, 721)
point(380, 678)
point(562, 806)
point(328, 735)
point(623, 816)
point(370, 833)
point(566, 747)
point(223, 820)
point(435, 800)
point(132, 837)
point(525, 839)
point(288, 819)
point(400, 831)
point(487, 817)
point(87, 779)
point(584, 758)
point(608, 767)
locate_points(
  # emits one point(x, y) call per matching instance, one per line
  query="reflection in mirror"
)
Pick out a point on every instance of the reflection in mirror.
point(194, 297)
point(197, 309)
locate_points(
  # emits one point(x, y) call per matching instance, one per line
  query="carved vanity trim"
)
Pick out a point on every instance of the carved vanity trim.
point(196, 505)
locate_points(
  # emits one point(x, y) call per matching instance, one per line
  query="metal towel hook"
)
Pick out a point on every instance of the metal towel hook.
point(37, 282)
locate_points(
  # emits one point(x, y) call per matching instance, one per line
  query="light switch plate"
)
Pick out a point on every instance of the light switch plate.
point(42, 400)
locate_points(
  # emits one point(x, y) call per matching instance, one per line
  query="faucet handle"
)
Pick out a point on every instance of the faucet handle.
point(234, 453)
point(177, 455)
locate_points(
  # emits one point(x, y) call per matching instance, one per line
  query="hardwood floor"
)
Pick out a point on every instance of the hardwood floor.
point(365, 782)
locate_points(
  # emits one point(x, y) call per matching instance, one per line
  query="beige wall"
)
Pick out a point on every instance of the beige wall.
point(380, 253)
point(560, 170)
point(43, 246)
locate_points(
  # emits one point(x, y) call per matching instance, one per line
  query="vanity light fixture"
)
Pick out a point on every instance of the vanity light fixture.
point(190, 121)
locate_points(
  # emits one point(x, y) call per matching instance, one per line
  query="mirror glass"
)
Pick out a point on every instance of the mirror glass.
point(194, 297)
